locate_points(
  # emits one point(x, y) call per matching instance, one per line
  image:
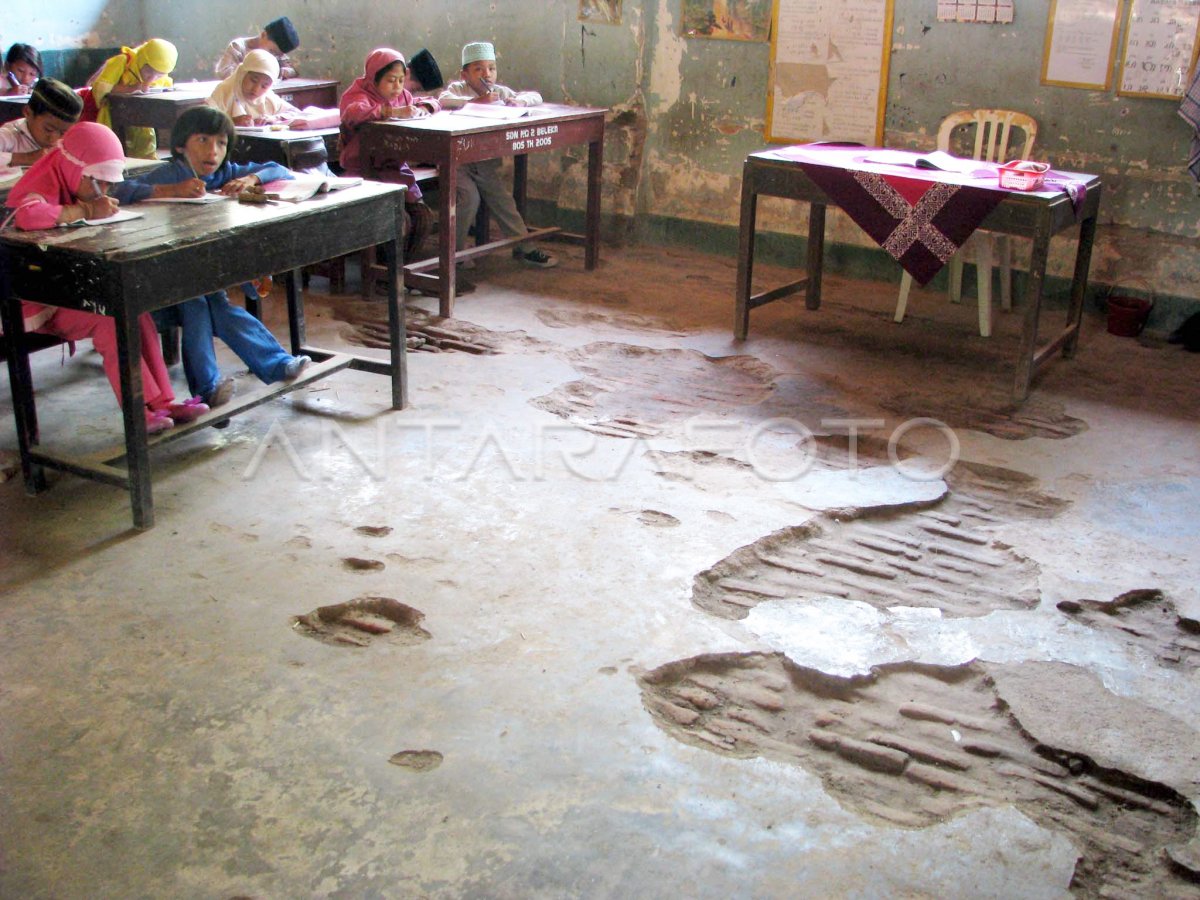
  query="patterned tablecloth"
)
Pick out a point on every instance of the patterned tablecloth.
point(919, 216)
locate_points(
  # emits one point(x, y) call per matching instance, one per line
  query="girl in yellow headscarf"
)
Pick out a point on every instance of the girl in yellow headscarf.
point(132, 71)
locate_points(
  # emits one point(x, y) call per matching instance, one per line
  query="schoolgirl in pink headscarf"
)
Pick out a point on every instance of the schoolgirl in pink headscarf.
point(380, 94)
point(67, 184)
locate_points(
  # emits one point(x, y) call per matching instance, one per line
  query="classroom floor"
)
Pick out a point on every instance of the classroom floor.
point(613, 610)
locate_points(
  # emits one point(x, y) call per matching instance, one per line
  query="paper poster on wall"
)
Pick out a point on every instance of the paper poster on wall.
point(605, 12)
point(731, 20)
point(828, 75)
point(987, 12)
point(1160, 48)
point(1081, 43)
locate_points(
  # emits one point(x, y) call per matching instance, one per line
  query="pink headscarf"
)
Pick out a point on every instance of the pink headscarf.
point(88, 148)
point(361, 103)
point(377, 60)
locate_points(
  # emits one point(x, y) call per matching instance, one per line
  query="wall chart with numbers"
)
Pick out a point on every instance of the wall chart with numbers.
point(1160, 47)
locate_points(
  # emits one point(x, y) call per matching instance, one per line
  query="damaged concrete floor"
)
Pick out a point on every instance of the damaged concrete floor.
point(615, 610)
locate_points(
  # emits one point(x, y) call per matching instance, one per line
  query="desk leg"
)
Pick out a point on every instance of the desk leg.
point(1033, 310)
point(745, 271)
point(816, 254)
point(1083, 261)
point(447, 236)
point(133, 411)
point(295, 306)
point(591, 245)
point(520, 186)
point(397, 337)
point(20, 380)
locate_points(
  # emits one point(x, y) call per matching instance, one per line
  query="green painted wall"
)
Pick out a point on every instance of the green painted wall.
point(686, 111)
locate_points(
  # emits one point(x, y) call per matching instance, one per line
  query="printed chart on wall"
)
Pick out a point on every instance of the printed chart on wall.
point(1160, 48)
point(828, 78)
point(1081, 43)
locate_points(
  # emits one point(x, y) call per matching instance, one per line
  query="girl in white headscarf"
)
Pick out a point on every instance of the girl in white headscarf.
point(246, 95)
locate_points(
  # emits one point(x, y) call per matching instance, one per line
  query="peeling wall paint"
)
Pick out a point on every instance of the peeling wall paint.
point(686, 111)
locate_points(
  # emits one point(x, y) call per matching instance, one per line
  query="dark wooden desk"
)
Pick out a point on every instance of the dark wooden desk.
point(287, 147)
point(174, 253)
point(134, 168)
point(11, 106)
point(448, 140)
point(1032, 215)
point(160, 109)
point(302, 92)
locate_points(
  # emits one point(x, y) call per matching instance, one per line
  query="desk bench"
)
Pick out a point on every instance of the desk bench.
point(176, 252)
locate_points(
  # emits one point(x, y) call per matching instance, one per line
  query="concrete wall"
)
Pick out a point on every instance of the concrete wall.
point(687, 111)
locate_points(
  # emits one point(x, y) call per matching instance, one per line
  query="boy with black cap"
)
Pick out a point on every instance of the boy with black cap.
point(279, 38)
point(52, 109)
point(482, 180)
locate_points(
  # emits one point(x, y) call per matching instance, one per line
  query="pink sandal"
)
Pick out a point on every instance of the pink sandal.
point(158, 421)
point(187, 411)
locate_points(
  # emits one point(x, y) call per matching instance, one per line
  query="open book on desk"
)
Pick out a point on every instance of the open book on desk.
point(121, 215)
point(303, 187)
point(492, 111)
point(938, 160)
point(203, 198)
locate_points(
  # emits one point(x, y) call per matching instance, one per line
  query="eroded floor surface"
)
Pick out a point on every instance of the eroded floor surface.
point(621, 607)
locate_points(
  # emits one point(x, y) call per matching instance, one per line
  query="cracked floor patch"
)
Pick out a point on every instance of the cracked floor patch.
point(987, 495)
point(367, 326)
point(1035, 416)
point(927, 559)
point(362, 621)
point(1144, 619)
point(416, 760)
point(915, 744)
point(630, 391)
point(593, 317)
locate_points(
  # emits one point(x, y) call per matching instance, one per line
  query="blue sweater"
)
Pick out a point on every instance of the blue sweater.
point(178, 170)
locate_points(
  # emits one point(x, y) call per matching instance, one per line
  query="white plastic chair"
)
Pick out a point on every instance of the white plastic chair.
point(994, 141)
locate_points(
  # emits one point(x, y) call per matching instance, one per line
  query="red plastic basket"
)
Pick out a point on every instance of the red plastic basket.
point(1023, 175)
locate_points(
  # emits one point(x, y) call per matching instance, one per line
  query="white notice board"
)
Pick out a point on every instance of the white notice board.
point(828, 76)
point(1160, 48)
point(1081, 43)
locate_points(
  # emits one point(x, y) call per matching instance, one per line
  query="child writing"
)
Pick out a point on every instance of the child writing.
point(200, 143)
point(279, 39)
point(380, 94)
point(132, 71)
point(246, 95)
point(22, 69)
point(482, 179)
point(52, 109)
point(67, 184)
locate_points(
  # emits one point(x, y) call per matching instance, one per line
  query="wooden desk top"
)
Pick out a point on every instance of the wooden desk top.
point(181, 250)
point(453, 122)
point(133, 168)
point(11, 106)
point(284, 135)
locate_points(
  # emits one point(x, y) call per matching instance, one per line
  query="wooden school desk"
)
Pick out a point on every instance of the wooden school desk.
point(159, 109)
point(1039, 216)
point(450, 139)
point(176, 252)
point(288, 147)
point(134, 168)
point(11, 106)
